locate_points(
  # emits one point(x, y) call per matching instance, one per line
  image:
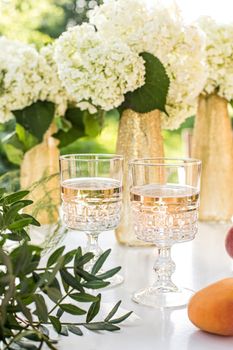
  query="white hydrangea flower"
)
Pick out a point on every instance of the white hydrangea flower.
point(87, 106)
point(20, 81)
point(52, 90)
point(219, 49)
point(96, 70)
point(160, 30)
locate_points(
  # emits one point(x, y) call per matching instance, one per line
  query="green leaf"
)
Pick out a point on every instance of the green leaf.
point(56, 323)
point(70, 280)
point(63, 124)
point(27, 139)
point(54, 257)
point(41, 308)
point(109, 274)
point(101, 260)
point(83, 297)
point(76, 259)
point(34, 222)
point(68, 137)
point(112, 312)
point(12, 323)
point(92, 124)
point(60, 312)
point(14, 148)
point(19, 224)
point(26, 311)
point(97, 284)
point(2, 191)
point(85, 275)
point(101, 326)
point(75, 330)
point(84, 259)
point(153, 94)
point(23, 345)
point(18, 236)
point(13, 211)
point(75, 117)
point(68, 257)
point(94, 309)
point(72, 309)
point(53, 293)
point(36, 118)
point(20, 258)
point(15, 197)
point(55, 270)
point(122, 318)
point(44, 330)
point(64, 331)
point(78, 255)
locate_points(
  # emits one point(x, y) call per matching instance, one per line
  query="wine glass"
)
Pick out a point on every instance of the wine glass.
point(164, 200)
point(91, 191)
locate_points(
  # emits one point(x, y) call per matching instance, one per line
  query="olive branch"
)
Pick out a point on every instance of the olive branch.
point(35, 298)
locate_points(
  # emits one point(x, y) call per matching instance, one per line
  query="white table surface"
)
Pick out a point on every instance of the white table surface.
point(198, 263)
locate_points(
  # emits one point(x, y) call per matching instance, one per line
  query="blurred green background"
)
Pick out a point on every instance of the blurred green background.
point(40, 22)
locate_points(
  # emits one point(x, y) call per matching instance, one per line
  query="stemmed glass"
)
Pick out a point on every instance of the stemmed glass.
point(91, 186)
point(164, 197)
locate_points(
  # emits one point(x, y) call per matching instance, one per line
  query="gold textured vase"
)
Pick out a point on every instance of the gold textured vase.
point(39, 173)
point(213, 144)
point(139, 136)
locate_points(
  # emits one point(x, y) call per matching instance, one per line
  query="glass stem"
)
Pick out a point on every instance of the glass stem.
point(164, 267)
point(93, 245)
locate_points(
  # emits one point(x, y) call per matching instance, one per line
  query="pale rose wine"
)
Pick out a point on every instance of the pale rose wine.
point(164, 213)
point(92, 203)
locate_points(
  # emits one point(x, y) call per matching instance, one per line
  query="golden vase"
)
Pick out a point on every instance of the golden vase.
point(139, 136)
point(213, 144)
point(40, 174)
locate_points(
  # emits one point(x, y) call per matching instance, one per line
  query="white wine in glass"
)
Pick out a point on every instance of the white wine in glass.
point(164, 199)
point(91, 191)
point(92, 204)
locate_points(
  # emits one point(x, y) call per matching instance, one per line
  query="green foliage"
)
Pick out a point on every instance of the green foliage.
point(74, 127)
point(40, 21)
point(13, 224)
point(36, 118)
point(18, 142)
point(5, 164)
point(25, 286)
point(105, 141)
point(28, 140)
point(93, 123)
point(13, 148)
point(153, 94)
point(77, 124)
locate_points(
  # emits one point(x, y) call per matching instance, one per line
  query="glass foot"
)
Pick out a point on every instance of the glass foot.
point(153, 297)
point(115, 281)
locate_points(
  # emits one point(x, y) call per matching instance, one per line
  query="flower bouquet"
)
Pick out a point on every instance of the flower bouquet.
point(140, 65)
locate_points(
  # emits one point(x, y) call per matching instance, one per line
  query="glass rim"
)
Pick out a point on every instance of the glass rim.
point(159, 161)
point(83, 157)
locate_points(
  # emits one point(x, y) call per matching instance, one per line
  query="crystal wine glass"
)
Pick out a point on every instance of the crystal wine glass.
point(91, 186)
point(164, 198)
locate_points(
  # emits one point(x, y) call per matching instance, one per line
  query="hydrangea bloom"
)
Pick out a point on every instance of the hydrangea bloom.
point(219, 57)
point(160, 31)
point(20, 81)
point(52, 90)
point(96, 71)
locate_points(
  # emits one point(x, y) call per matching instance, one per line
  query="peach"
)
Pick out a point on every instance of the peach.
point(211, 309)
point(229, 242)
